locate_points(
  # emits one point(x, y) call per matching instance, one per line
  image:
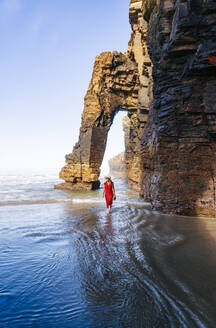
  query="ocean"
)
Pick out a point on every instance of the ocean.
point(66, 262)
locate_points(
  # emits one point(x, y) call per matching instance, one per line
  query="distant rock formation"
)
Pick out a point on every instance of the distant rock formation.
point(118, 167)
point(166, 81)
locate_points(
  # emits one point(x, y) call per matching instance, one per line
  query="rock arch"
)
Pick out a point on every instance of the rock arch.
point(113, 87)
point(119, 82)
point(171, 158)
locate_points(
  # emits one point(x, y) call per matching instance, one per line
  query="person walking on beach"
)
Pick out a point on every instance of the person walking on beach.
point(109, 192)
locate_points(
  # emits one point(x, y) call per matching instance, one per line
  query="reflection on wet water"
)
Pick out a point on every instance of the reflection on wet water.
point(74, 265)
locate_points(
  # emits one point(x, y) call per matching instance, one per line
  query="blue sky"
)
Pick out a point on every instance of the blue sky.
point(48, 49)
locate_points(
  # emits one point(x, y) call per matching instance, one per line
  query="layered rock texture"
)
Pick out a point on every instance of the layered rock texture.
point(113, 87)
point(119, 82)
point(179, 143)
point(171, 126)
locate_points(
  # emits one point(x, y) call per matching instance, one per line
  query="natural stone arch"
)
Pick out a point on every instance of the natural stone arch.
point(119, 82)
point(175, 151)
point(113, 87)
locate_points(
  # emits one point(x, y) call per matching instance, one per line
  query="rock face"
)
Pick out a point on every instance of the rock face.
point(117, 166)
point(166, 81)
point(137, 48)
point(117, 83)
point(113, 87)
point(179, 143)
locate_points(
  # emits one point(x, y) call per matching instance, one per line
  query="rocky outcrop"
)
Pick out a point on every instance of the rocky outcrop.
point(113, 87)
point(117, 166)
point(171, 122)
point(137, 48)
point(179, 143)
point(117, 83)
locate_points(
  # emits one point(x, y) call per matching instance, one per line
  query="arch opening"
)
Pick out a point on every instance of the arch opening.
point(115, 141)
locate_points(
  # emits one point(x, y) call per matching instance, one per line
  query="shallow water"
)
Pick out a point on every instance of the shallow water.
point(65, 262)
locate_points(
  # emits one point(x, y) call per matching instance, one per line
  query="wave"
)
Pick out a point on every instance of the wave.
point(11, 191)
point(48, 201)
point(13, 180)
point(29, 202)
point(68, 200)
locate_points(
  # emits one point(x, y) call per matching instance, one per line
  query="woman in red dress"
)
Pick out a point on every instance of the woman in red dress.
point(109, 192)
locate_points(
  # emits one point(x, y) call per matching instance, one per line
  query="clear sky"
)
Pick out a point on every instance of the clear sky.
point(47, 53)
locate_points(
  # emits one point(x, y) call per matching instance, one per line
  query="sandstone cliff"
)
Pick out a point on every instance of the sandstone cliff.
point(114, 87)
point(119, 82)
point(171, 131)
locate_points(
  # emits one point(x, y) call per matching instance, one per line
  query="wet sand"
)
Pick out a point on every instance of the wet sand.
point(71, 264)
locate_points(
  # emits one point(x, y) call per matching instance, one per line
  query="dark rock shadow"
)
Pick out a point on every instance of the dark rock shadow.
point(179, 143)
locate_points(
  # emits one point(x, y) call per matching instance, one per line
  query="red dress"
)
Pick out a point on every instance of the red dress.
point(108, 193)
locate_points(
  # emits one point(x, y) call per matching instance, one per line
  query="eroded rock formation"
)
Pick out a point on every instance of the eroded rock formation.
point(117, 83)
point(179, 144)
point(113, 87)
point(171, 159)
